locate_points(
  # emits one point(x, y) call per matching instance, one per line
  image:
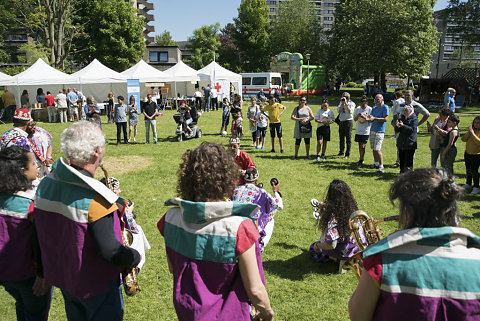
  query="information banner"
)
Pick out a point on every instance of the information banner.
point(133, 88)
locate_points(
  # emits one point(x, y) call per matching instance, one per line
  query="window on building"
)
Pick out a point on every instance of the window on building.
point(329, 4)
point(17, 37)
point(272, 9)
point(327, 25)
point(158, 56)
point(449, 48)
point(271, 2)
point(328, 11)
point(328, 18)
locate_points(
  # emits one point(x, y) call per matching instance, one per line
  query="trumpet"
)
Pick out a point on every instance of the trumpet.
point(365, 229)
point(130, 283)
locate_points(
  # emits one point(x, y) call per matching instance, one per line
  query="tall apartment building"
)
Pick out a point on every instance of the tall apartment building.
point(448, 42)
point(144, 6)
point(324, 10)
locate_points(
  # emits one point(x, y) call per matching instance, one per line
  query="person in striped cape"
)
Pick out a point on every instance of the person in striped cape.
point(212, 243)
point(430, 268)
point(18, 274)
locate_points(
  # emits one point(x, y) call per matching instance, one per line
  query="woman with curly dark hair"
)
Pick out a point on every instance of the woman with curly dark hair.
point(335, 242)
point(212, 243)
point(17, 271)
point(429, 269)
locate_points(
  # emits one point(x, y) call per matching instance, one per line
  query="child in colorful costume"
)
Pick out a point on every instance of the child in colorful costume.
point(335, 242)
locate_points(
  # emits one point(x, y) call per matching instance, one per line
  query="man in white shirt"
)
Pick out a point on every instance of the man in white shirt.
point(198, 99)
point(61, 103)
point(214, 101)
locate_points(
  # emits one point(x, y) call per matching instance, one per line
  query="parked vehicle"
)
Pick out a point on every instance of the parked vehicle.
point(253, 82)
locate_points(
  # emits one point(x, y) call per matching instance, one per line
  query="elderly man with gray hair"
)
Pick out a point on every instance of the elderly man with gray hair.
point(79, 231)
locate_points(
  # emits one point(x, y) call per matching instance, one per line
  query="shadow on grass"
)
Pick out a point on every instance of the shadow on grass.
point(268, 155)
point(296, 267)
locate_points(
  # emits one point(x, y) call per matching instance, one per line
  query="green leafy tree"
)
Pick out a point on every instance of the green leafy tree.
point(465, 58)
point(7, 17)
point(165, 39)
point(297, 29)
point(387, 37)
point(49, 22)
point(111, 32)
point(204, 42)
point(228, 53)
point(464, 16)
point(251, 36)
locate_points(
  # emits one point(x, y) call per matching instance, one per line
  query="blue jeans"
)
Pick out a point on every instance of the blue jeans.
point(107, 306)
point(152, 123)
point(206, 107)
point(434, 157)
point(28, 306)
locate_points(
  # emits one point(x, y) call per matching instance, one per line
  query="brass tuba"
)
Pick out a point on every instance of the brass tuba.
point(365, 230)
point(130, 283)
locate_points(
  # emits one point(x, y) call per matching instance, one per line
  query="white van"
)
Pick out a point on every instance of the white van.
point(254, 81)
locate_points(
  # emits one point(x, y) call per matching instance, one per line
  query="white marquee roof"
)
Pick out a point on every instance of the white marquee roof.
point(182, 72)
point(145, 73)
point(41, 74)
point(217, 72)
point(97, 73)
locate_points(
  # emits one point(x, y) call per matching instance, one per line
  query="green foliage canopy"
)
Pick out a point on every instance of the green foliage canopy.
point(112, 33)
point(204, 42)
point(251, 35)
point(372, 38)
point(7, 17)
point(465, 16)
point(297, 29)
point(228, 53)
point(165, 39)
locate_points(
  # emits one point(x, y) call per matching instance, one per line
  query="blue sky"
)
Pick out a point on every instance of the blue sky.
point(181, 17)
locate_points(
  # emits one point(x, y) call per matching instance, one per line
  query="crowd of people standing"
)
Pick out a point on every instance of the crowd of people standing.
point(221, 223)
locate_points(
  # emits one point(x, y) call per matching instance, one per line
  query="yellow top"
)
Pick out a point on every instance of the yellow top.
point(274, 112)
point(8, 99)
point(472, 146)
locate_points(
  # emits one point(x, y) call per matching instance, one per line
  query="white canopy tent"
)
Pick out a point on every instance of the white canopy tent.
point(181, 73)
point(219, 78)
point(97, 80)
point(5, 79)
point(40, 74)
point(146, 74)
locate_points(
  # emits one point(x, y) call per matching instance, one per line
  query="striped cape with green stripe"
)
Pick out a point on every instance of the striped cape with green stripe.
point(205, 230)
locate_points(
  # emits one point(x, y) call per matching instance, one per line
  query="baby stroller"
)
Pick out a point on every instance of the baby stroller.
point(187, 117)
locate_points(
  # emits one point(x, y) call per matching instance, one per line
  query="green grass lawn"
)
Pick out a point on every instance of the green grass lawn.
point(299, 288)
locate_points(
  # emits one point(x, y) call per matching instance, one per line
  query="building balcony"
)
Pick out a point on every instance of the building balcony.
point(147, 6)
point(149, 39)
point(148, 29)
point(148, 17)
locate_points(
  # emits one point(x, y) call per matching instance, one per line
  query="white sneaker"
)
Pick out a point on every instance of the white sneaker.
point(381, 169)
point(475, 190)
point(318, 158)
